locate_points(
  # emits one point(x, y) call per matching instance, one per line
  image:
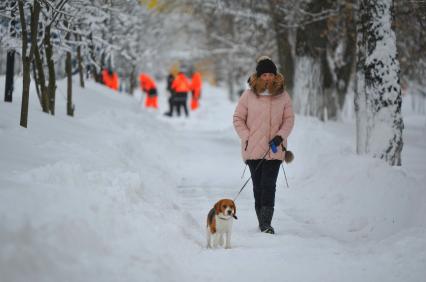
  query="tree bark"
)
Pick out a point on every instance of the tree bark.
point(10, 64)
point(97, 76)
point(68, 70)
point(40, 99)
point(27, 58)
point(383, 84)
point(10, 61)
point(285, 56)
point(41, 78)
point(286, 60)
point(313, 78)
point(80, 62)
point(133, 80)
point(51, 67)
point(26, 80)
point(345, 72)
point(360, 98)
point(307, 86)
point(382, 88)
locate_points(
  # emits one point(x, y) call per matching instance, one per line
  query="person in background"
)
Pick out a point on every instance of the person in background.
point(110, 78)
point(263, 119)
point(181, 86)
point(170, 79)
point(148, 86)
point(196, 84)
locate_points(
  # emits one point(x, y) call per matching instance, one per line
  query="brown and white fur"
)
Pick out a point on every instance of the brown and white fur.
point(219, 223)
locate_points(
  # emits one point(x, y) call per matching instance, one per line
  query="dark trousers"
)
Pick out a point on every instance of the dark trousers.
point(264, 180)
point(171, 107)
point(180, 101)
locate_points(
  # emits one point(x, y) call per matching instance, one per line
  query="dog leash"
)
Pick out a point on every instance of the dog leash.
point(285, 176)
point(258, 165)
point(244, 171)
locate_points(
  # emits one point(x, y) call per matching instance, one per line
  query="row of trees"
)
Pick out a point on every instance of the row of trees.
point(313, 41)
point(325, 49)
point(88, 35)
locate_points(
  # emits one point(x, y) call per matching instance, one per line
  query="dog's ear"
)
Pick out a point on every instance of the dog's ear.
point(217, 207)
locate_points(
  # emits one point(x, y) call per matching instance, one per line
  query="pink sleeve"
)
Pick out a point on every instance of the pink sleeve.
point(240, 117)
point(288, 118)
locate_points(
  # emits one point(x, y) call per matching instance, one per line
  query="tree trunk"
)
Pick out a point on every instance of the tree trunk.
point(285, 56)
point(41, 78)
point(27, 58)
point(26, 80)
point(40, 99)
point(313, 81)
point(51, 66)
point(80, 62)
point(307, 86)
point(97, 76)
point(25, 67)
point(344, 72)
point(68, 70)
point(286, 61)
point(360, 98)
point(10, 63)
point(329, 106)
point(132, 79)
point(382, 88)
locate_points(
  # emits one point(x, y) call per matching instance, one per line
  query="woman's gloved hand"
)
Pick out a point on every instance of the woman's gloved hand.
point(277, 140)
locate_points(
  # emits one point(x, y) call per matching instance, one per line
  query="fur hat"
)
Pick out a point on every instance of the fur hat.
point(265, 65)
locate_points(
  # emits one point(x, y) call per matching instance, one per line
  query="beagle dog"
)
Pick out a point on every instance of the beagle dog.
point(219, 223)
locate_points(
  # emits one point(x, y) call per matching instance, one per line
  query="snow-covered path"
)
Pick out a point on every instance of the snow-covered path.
point(119, 193)
point(307, 246)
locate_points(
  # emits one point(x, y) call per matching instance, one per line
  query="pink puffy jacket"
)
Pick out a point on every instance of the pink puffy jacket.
point(257, 118)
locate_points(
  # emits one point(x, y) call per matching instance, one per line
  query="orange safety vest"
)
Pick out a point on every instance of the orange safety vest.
point(196, 81)
point(181, 83)
point(196, 84)
point(110, 80)
point(146, 82)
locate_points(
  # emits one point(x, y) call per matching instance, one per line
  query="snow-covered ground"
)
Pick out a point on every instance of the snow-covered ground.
point(121, 193)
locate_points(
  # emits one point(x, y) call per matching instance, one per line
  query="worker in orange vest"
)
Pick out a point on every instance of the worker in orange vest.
point(148, 86)
point(196, 90)
point(110, 78)
point(181, 86)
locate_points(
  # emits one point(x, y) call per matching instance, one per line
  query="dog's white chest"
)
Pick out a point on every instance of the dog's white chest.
point(223, 225)
point(219, 224)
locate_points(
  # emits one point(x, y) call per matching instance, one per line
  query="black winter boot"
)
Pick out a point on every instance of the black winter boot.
point(266, 214)
point(258, 215)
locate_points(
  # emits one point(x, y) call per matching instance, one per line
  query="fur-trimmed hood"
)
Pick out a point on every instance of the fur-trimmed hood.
point(258, 86)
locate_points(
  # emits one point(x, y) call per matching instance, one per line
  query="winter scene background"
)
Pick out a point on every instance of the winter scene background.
point(95, 186)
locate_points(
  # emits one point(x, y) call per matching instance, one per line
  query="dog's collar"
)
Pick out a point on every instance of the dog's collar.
point(224, 218)
point(233, 216)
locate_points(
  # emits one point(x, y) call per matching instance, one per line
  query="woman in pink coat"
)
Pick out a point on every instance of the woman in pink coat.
point(264, 118)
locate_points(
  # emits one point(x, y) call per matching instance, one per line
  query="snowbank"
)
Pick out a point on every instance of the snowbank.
point(119, 193)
